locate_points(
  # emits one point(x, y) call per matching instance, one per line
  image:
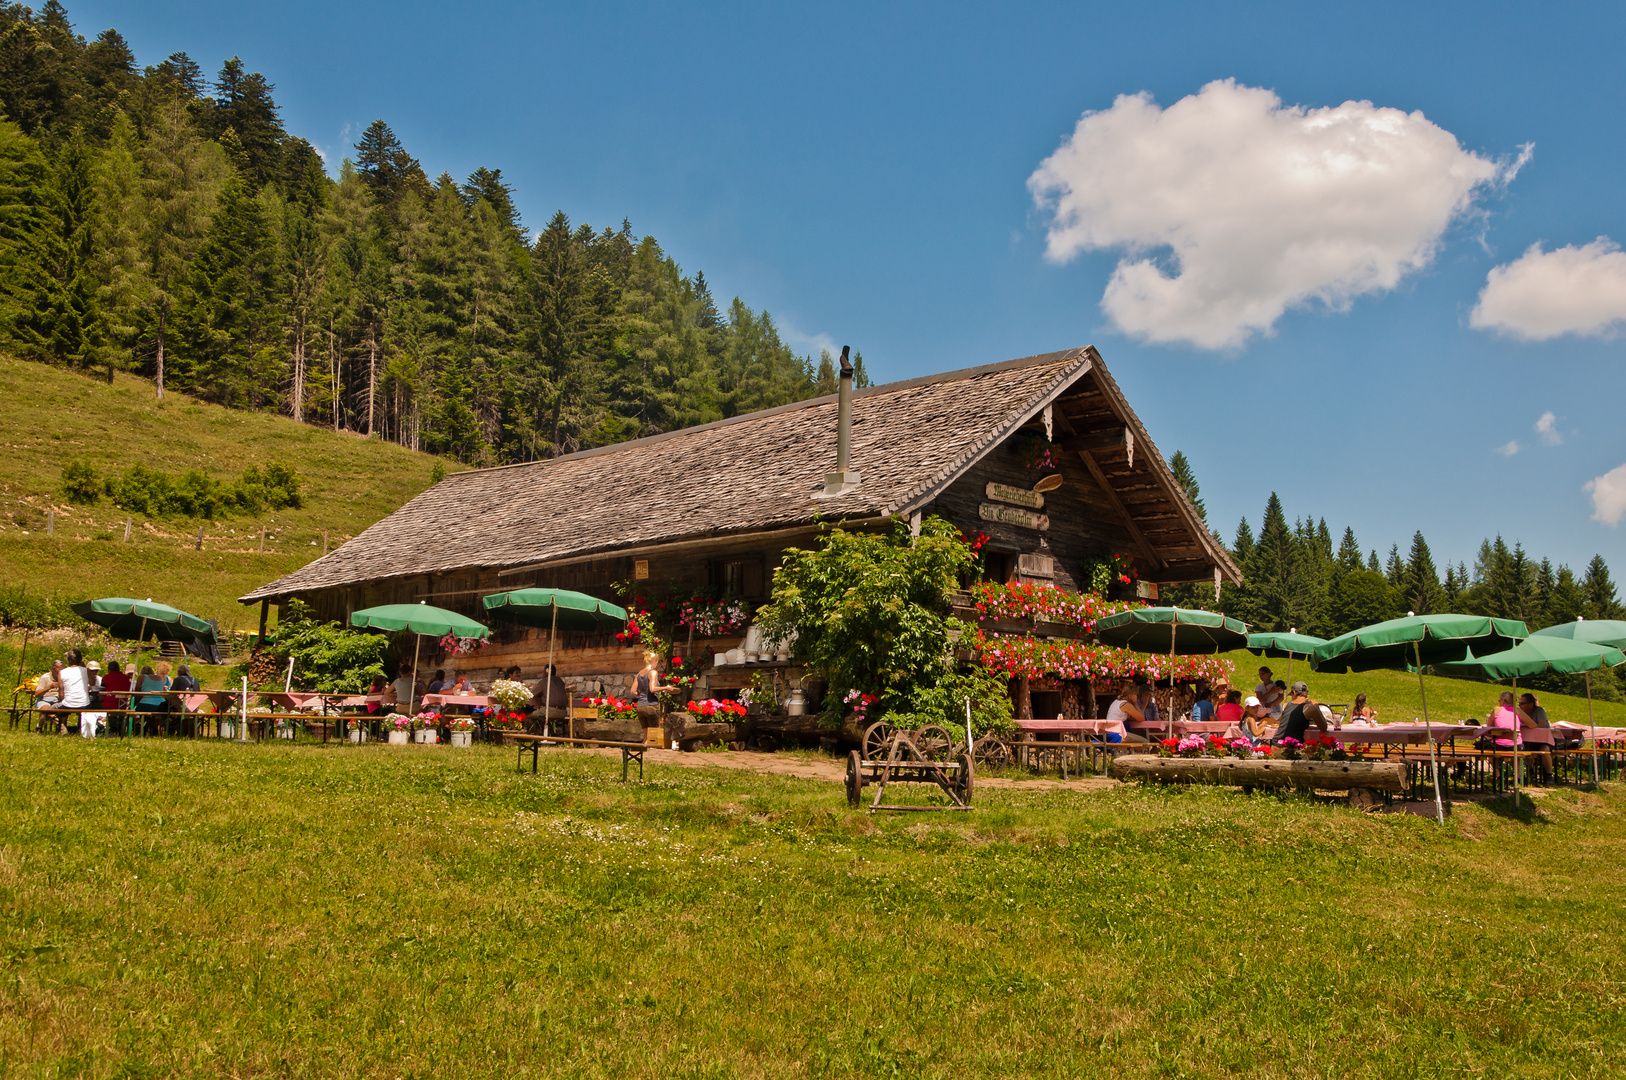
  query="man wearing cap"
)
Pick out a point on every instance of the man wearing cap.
point(1301, 715)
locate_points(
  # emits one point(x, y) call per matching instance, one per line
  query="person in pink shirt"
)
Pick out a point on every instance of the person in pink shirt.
point(1504, 716)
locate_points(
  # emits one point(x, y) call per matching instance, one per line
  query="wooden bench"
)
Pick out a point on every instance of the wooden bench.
point(532, 744)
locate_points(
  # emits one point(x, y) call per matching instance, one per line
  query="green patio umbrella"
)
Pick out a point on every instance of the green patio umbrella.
point(556, 609)
point(138, 620)
point(1598, 631)
point(420, 619)
point(1182, 631)
point(1538, 654)
point(1276, 645)
point(1413, 643)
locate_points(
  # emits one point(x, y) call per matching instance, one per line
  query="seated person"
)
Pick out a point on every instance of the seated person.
point(1302, 715)
point(1126, 709)
point(48, 688)
point(1230, 711)
point(184, 681)
point(1362, 711)
point(438, 683)
point(458, 686)
point(1202, 710)
point(403, 687)
point(1505, 718)
point(550, 694)
point(380, 689)
point(1148, 705)
point(1270, 697)
point(1538, 735)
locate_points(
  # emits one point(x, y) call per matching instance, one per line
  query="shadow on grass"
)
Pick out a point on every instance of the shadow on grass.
point(1520, 808)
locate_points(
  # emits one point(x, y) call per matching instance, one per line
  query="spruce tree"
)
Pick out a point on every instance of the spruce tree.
point(1394, 571)
point(226, 321)
point(1598, 589)
point(1568, 602)
point(58, 316)
point(243, 105)
point(1266, 596)
point(1349, 552)
point(1181, 468)
point(1420, 591)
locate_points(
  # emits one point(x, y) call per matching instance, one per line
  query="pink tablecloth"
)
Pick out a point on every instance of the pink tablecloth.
point(473, 701)
point(1406, 734)
point(1093, 727)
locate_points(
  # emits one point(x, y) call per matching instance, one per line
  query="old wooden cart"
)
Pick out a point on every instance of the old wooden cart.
point(911, 758)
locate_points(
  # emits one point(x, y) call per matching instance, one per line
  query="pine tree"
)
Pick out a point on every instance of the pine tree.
point(243, 105)
point(1372, 563)
point(119, 271)
point(385, 166)
point(1598, 589)
point(487, 184)
point(1568, 602)
point(860, 376)
point(226, 322)
point(1266, 599)
point(1187, 480)
point(824, 381)
point(1546, 582)
point(57, 316)
point(1394, 571)
point(183, 177)
point(1349, 552)
point(1420, 591)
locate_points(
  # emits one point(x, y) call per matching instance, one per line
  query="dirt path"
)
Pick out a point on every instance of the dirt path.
point(830, 769)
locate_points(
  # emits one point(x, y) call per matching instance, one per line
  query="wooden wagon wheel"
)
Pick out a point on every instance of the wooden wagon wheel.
point(966, 780)
point(908, 748)
point(992, 752)
point(855, 780)
point(935, 743)
point(877, 740)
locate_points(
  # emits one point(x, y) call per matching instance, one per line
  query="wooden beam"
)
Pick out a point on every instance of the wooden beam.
point(1096, 441)
point(1112, 497)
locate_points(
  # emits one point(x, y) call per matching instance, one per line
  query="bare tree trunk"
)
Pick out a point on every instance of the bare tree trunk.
point(372, 376)
point(333, 366)
point(163, 317)
point(299, 373)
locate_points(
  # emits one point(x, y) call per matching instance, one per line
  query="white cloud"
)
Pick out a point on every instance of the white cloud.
point(1542, 294)
point(1509, 448)
point(1259, 207)
point(1547, 429)
point(1608, 495)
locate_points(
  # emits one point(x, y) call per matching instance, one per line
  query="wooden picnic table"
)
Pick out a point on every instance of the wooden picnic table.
point(472, 701)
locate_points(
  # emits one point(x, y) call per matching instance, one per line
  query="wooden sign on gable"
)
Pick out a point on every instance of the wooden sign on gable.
point(1004, 493)
point(1010, 515)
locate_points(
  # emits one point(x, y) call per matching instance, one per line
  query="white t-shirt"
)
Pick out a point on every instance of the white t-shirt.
point(403, 690)
point(1265, 691)
point(1115, 711)
point(75, 687)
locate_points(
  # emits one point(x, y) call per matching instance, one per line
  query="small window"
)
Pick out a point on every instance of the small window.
point(739, 577)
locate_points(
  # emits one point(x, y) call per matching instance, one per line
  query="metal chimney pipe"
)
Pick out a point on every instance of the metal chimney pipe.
point(844, 479)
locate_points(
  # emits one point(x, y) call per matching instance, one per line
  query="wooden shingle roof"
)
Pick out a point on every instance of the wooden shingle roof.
point(746, 474)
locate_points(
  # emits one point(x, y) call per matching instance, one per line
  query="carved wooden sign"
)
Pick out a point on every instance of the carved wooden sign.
point(1010, 515)
point(1004, 493)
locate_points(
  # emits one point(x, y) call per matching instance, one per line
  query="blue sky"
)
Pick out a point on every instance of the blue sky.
point(863, 170)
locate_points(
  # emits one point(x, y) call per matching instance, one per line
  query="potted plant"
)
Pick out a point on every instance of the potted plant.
point(358, 729)
point(511, 695)
point(426, 729)
point(462, 730)
point(399, 728)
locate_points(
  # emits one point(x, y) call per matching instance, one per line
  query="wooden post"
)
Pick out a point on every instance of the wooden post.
point(50, 522)
point(127, 522)
point(265, 612)
point(262, 537)
point(324, 541)
point(200, 538)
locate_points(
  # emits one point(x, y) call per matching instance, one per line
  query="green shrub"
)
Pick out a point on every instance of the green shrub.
point(327, 656)
point(39, 611)
point(81, 483)
point(195, 495)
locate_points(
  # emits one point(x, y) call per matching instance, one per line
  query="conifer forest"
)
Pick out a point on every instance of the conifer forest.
point(161, 221)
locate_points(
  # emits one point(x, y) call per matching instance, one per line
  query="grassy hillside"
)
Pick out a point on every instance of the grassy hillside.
point(54, 416)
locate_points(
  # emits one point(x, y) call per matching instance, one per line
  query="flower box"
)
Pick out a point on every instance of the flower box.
point(462, 738)
point(399, 738)
point(428, 736)
point(358, 734)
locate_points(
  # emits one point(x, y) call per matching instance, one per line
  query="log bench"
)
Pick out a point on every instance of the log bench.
point(1362, 779)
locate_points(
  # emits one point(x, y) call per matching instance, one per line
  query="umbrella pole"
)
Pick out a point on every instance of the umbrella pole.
point(547, 695)
point(1428, 733)
point(1593, 723)
point(412, 687)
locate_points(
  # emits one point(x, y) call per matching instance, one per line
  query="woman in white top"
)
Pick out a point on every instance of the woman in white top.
point(76, 690)
point(1125, 709)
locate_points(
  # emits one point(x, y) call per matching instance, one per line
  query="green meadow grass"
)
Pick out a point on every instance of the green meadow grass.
point(175, 908)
